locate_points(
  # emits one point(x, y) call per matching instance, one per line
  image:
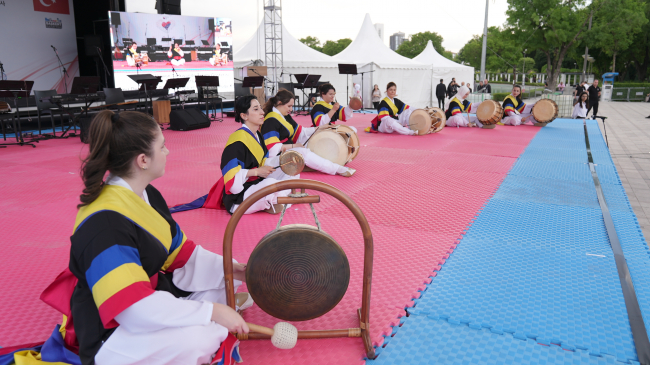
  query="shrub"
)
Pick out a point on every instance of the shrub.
point(499, 96)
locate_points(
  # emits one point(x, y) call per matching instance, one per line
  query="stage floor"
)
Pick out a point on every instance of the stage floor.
point(421, 195)
point(122, 66)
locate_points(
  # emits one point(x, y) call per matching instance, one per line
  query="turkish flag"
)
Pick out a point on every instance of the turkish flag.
point(52, 6)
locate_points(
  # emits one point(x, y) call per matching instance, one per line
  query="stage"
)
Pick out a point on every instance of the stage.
point(491, 239)
point(194, 66)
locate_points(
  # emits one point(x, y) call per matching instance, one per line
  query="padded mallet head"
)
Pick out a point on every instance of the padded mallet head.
point(285, 336)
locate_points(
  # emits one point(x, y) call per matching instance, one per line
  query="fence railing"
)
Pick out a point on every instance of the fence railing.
point(564, 103)
point(630, 93)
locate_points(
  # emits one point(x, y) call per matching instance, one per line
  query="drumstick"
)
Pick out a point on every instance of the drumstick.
point(293, 160)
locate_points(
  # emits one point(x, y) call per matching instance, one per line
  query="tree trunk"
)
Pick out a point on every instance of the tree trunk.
point(614, 63)
point(642, 67)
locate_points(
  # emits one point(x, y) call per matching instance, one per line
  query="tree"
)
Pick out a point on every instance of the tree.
point(617, 22)
point(638, 55)
point(312, 42)
point(550, 26)
point(503, 52)
point(414, 46)
point(335, 47)
point(529, 66)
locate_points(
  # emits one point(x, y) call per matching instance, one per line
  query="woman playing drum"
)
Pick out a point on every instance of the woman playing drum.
point(393, 115)
point(515, 111)
point(459, 108)
point(326, 111)
point(282, 133)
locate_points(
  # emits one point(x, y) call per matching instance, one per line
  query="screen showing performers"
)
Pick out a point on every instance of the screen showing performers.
point(171, 46)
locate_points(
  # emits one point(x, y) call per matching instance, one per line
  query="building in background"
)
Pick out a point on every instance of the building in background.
point(380, 30)
point(396, 39)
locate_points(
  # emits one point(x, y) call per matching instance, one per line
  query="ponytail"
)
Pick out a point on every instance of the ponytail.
point(282, 97)
point(115, 140)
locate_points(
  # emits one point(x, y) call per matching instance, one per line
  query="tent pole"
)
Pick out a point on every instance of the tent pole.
point(485, 31)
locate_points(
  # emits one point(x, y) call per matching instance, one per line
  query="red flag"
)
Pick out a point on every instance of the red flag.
point(52, 6)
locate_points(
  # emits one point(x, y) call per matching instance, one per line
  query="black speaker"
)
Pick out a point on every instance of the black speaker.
point(211, 23)
point(115, 19)
point(91, 43)
point(84, 127)
point(187, 120)
point(168, 7)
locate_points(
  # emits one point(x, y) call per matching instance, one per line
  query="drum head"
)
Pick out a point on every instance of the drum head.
point(438, 119)
point(294, 161)
point(420, 121)
point(545, 110)
point(329, 145)
point(297, 273)
point(355, 103)
point(489, 112)
point(352, 140)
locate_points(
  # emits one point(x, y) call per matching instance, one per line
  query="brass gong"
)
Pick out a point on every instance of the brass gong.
point(297, 273)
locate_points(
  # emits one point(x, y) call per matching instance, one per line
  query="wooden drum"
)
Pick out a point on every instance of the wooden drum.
point(545, 111)
point(330, 145)
point(420, 121)
point(438, 119)
point(489, 112)
point(351, 139)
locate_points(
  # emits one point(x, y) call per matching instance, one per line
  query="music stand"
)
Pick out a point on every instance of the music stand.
point(202, 83)
point(179, 41)
point(146, 82)
point(309, 82)
point(85, 85)
point(15, 89)
point(205, 43)
point(175, 84)
point(347, 69)
point(253, 81)
point(189, 43)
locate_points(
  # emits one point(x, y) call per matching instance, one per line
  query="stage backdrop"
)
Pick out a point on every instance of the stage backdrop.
point(29, 28)
point(155, 33)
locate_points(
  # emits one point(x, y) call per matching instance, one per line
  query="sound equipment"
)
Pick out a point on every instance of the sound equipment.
point(187, 120)
point(91, 43)
point(115, 18)
point(161, 110)
point(211, 24)
point(168, 7)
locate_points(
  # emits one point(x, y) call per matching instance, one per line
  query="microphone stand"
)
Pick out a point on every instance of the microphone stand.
point(65, 72)
point(3, 76)
point(106, 72)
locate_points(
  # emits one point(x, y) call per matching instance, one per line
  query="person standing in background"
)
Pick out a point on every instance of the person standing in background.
point(594, 96)
point(376, 96)
point(469, 87)
point(452, 89)
point(479, 87)
point(487, 87)
point(440, 93)
point(580, 88)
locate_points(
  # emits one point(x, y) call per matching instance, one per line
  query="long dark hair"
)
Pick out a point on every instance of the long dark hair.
point(282, 97)
point(114, 141)
point(586, 102)
point(325, 88)
point(242, 105)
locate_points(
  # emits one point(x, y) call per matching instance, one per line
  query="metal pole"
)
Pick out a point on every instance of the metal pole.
point(485, 30)
point(584, 64)
point(523, 83)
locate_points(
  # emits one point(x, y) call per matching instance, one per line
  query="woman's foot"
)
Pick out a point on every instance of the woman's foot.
point(243, 301)
point(349, 172)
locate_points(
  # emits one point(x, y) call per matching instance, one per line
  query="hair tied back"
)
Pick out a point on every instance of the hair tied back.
point(115, 117)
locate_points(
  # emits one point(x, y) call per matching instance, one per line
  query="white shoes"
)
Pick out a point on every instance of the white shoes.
point(243, 301)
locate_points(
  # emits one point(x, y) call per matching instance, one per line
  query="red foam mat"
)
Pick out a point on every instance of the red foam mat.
point(418, 193)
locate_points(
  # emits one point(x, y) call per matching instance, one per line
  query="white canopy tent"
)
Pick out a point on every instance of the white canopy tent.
point(297, 59)
point(443, 68)
point(382, 65)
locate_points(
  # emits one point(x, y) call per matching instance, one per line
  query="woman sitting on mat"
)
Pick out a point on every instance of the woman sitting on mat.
point(326, 111)
point(393, 115)
point(515, 111)
point(218, 59)
point(458, 109)
point(141, 292)
point(282, 133)
point(245, 162)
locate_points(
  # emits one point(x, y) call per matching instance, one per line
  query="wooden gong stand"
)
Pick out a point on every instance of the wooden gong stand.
point(364, 312)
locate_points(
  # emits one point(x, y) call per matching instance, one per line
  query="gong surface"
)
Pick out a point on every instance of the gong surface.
point(297, 273)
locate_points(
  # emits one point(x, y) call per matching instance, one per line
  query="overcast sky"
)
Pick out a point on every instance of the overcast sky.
point(456, 21)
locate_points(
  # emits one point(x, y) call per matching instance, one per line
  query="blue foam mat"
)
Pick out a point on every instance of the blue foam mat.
point(535, 267)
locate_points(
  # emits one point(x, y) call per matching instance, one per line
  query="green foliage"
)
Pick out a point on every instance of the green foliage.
point(414, 46)
point(312, 42)
point(499, 96)
point(335, 47)
point(526, 65)
point(503, 51)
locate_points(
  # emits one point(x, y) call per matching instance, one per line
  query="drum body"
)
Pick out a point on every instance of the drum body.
point(545, 111)
point(355, 103)
point(420, 121)
point(351, 139)
point(489, 112)
point(292, 162)
point(438, 119)
point(329, 145)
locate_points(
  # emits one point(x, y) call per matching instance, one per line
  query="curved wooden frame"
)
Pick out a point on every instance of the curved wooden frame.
point(364, 311)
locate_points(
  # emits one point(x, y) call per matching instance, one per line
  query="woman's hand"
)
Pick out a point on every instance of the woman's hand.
point(264, 171)
point(227, 317)
point(239, 271)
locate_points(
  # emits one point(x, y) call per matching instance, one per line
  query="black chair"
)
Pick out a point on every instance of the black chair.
point(115, 97)
point(46, 108)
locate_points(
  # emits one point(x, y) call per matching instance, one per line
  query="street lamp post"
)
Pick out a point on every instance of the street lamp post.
point(523, 72)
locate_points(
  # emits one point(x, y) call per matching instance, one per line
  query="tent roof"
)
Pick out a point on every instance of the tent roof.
point(295, 53)
point(367, 47)
point(430, 56)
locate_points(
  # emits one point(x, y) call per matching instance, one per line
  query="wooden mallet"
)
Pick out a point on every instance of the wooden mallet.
point(283, 335)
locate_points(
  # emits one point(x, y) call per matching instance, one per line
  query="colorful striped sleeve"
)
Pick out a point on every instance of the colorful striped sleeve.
point(179, 252)
point(317, 118)
point(521, 107)
point(383, 112)
point(341, 113)
point(230, 169)
point(455, 109)
point(117, 280)
point(271, 138)
point(295, 135)
point(404, 107)
point(508, 106)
